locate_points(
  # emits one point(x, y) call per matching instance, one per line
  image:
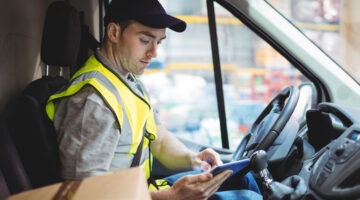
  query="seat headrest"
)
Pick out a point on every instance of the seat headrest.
point(61, 35)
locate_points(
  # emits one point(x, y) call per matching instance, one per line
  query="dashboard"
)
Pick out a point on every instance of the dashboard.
point(334, 171)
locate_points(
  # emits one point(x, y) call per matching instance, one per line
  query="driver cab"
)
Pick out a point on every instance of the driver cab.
point(243, 79)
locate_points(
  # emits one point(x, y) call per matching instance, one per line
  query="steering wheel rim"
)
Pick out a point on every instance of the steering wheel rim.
point(269, 124)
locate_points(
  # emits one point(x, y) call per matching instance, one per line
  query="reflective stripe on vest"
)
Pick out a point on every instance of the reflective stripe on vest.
point(127, 106)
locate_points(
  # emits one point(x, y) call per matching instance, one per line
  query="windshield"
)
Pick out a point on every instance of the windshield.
point(331, 24)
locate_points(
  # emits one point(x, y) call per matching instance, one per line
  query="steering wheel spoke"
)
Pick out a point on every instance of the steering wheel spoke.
point(269, 124)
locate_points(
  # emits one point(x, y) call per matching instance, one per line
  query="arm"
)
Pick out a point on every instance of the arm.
point(86, 138)
point(175, 155)
point(170, 151)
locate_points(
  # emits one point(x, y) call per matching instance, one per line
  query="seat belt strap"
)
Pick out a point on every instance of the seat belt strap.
point(136, 161)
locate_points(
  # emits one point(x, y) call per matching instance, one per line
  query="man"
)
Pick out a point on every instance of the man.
point(104, 119)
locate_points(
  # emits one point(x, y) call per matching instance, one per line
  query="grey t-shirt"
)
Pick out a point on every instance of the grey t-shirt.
point(87, 134)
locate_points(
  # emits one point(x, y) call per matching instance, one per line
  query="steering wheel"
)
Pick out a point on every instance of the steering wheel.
point(269, 124)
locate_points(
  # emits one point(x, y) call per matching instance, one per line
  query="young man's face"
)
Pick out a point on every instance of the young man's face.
point(136, 46)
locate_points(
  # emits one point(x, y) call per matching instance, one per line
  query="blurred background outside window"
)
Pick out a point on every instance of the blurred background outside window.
point(181, 79)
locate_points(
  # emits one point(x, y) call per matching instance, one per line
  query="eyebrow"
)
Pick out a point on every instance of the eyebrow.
point(147, 33)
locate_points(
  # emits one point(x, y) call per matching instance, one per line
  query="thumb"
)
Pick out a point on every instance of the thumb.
point(202, 165)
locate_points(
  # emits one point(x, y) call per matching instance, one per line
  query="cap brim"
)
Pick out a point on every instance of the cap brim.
point(163, 21)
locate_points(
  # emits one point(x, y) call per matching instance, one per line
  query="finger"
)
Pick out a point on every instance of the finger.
point(201, 165)
point(217, 162)
point(213, 185)
point(205, 166)
point(212, 157)
point(221, 177)
point(198, 178)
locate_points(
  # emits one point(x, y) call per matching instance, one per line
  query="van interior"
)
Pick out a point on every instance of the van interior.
point(43, 42)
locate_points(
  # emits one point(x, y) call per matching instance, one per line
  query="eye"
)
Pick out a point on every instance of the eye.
point(144, 41)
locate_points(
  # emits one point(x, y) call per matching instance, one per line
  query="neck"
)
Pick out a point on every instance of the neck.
point(108, 53)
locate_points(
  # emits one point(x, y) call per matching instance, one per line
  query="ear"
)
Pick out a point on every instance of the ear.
point(113, 31)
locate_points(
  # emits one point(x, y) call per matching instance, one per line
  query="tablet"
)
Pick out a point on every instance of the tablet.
point(235, 166)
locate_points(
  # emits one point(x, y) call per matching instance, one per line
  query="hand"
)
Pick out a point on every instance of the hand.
point(207, 160)
point(200, 186)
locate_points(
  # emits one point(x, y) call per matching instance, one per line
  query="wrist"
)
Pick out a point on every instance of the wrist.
point(194, 161)
point(161, 194)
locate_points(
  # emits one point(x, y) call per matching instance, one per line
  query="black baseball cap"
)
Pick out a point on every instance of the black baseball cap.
point(147, 12)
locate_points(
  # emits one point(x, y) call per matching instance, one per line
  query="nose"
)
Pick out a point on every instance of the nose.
point(152, 51)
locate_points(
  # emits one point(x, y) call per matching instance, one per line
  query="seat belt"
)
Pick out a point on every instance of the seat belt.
point(136, 161)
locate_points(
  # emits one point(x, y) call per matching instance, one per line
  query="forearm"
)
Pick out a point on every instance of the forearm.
point(171, 152)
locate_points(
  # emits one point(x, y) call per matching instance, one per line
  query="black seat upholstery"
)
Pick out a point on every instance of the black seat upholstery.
point(4, 190)
point(32, 132)
point(61, 35)
point(13, 178)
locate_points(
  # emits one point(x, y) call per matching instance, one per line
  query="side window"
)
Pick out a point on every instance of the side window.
point(252, 72)
point(181, 79)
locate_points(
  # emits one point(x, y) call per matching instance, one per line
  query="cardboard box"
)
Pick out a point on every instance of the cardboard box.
point(124, 184)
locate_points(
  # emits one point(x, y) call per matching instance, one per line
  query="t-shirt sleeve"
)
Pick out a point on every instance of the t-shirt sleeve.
point(87, 134)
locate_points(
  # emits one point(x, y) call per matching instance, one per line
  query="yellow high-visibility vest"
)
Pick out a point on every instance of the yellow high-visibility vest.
point(127, 106)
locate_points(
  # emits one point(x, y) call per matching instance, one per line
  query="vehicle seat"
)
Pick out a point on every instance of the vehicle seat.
point(33, 133)
point(4, 190)
point(13, 178)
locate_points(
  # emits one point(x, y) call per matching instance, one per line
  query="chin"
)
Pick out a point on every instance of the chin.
point(138, 73)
